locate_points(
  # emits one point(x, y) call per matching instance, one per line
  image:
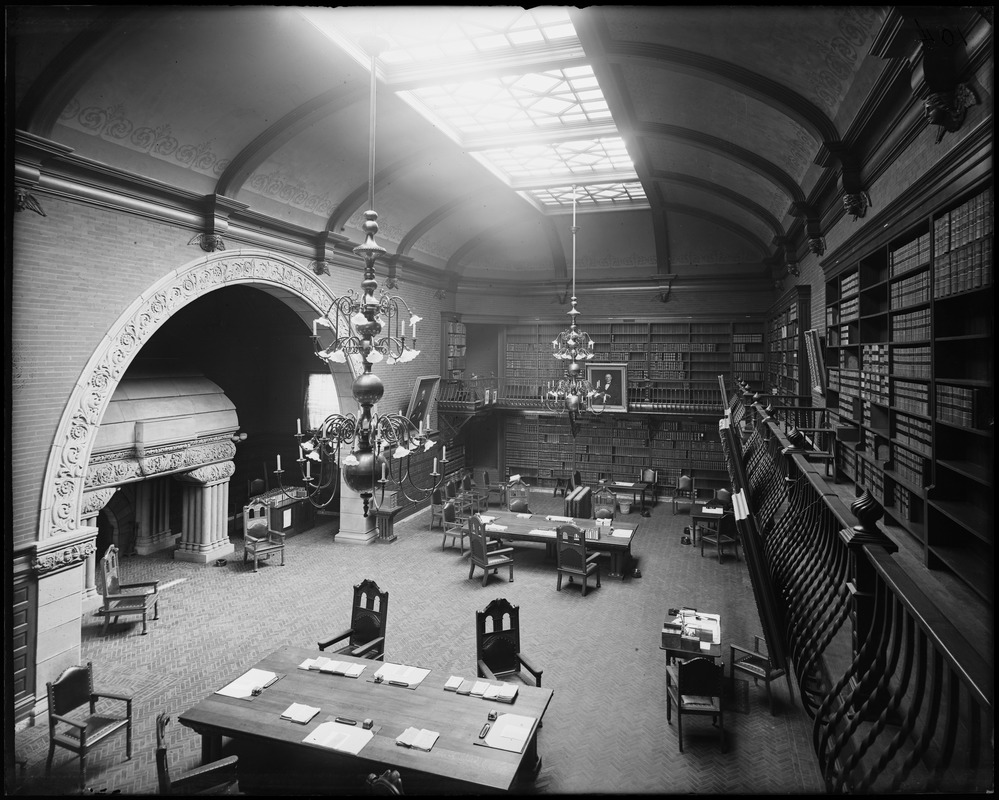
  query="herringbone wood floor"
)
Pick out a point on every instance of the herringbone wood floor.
point(605, 731)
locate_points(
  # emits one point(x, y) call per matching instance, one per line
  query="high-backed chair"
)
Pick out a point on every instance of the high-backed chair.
point(695, 687)
point(577, 480)
point(436, 507)
point(388, 783)
point(604, 503)
point(490, 489)
point(366, 635)
point(219, 777)
point(453, 526)
point(756, 663)
point(80, 733)
point(488, 556)
point(684, 491)
point(518, 497)
point(259, 541)
point(497, 643)
point(726, 534)
point(571, 558)
point(471, 496)
point(124, 599)
point(255, 487)
point(651, 477)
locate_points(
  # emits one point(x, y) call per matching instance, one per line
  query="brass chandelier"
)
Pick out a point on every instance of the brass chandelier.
point(573, 347)
point(368, 449)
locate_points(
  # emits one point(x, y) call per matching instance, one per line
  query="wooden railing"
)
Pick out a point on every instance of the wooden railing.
point(901, 700)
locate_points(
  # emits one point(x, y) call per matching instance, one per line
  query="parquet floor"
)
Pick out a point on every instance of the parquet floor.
point(605, 731)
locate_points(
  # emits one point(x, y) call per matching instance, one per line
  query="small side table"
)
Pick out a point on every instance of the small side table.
point(385, 524)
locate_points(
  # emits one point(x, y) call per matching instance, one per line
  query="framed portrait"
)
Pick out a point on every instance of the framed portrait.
point(610, 382)
point(422, 400)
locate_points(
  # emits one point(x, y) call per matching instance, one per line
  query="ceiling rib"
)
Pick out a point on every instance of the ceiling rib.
point(720, 221)
point(739, 200)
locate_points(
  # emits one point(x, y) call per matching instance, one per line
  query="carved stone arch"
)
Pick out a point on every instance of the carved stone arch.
point(63, 484)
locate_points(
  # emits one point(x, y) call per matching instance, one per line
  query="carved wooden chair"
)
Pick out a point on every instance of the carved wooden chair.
point(470, 495)
point(756, 663)
point(366, 635)
point(216, 778)
point(497, 643)
point(604, 503)
point(124, 599)
point(695, 687)
point(651, 477)
point(488, 555)
point(518, 497)
point(81, 732)
point(684, 492)
point(571, 558)
point(259, 541)
point(436, 507)
point(454, 526)
point(726, 534)
point(388, 783)
point(490, 489)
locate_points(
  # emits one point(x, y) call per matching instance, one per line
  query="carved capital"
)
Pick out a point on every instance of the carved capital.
point(96, 500)
point(213, 473)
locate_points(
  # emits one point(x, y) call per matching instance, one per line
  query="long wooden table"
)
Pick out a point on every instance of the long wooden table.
point(541, 528)
point(457, 759)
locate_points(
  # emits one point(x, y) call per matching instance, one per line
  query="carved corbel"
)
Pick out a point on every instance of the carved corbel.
point(326, 243)
point(813, 226)
point(219, 209)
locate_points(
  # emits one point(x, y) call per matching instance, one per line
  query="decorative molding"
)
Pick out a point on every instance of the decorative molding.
point(120, 467)
point(66, 472)
point(63, 552)
point(94, 501)
point(213, 473)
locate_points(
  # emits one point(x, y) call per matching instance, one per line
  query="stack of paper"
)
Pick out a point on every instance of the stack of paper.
point(504, 693)
point(621, 533)
point(417, 738)
point(244, 685)
point(540, 532)
point(348, 668)
point(479, 688)
point(524, 516)
point(553, 518)
point(297, 712)
point(453, 683)
point(510, 732)
point(486, 518)
point(466, 687)
point(495, 527)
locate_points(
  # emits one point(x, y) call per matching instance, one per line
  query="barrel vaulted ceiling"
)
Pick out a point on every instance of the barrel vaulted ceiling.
point(699, 139)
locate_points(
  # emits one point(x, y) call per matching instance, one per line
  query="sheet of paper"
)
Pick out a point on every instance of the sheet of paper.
point(486, 518)
point(348, 668)
point(244, 685)
point(345, 738)
point(539, 532)
point(624, 483)
point(400, 673)
point(718, 511)
point(495, 527)
point(299, 712)
point(479, 688)
point(553, 518)
point(621, 533)
point(510, 732)
point(524, 516)
point(453, 683)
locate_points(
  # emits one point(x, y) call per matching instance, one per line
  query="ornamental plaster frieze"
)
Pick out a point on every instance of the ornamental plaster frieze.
point(67, 473)
point(96, 500)
point(126, 467)
point(213, 473)
point(63, 552)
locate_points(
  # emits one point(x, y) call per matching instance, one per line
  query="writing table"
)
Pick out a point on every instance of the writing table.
point(538, 528)
point(637, 489)
point(704, 513)
point(692, 621)
point(456, 758)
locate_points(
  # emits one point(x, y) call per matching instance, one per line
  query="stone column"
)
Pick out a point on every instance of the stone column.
point(93, 504)
point(152, 516)
point(205, 535)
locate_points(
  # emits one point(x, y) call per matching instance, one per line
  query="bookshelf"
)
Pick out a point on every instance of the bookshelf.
point(909, 349)
point(673, 366)
point(541, 449)
point(787, 362)
point(453, 351)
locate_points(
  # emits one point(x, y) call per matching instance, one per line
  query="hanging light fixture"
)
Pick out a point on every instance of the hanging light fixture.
point(573, 393)
point(371, 328)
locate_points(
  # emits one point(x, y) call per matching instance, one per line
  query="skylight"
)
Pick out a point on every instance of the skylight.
point(510, 85)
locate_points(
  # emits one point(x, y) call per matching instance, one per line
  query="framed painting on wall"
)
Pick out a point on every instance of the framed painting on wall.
point(422, 400)
point(610, 382)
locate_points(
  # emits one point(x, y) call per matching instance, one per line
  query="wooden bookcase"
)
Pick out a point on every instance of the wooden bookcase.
point(453, 349)
point(541, 449)
point(909, 344)
point(673, 366)
point(787, 362)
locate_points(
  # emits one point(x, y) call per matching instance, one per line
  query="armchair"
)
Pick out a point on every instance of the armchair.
point(757, 664)
point(455, 527)
point(488, 556)
point(366, 635)
point(490, 489)
point(518, 497)
point(695, 687)
point(219, 777)
point(470, 495)
point(726, 533)
point(497, 645)
point(571, 558)
point(259, 540)
point(604, 504)
point(684, 491)
point(124, 599)
point(72, 690)
point(436, 507)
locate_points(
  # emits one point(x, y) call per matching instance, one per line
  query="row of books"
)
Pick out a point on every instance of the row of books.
point(875, 358)
point(910, 467)
point(911, 327)
point(913, 432)
point(911, 291)
point(971, 220)
point(912, 397)
point(962, 270)
point(913, 362)
point(909, 256)
point(961, 405)
point(849, 284)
